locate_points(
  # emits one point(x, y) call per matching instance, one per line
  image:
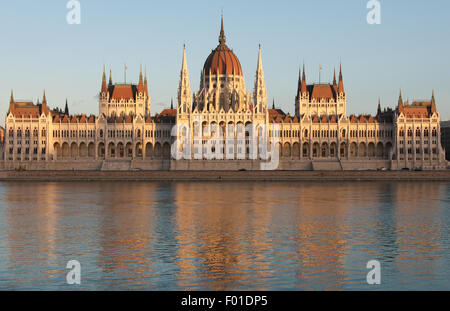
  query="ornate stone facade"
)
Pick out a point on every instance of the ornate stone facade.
point(125, 136)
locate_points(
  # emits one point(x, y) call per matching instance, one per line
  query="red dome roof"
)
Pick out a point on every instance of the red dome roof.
point(222, 60)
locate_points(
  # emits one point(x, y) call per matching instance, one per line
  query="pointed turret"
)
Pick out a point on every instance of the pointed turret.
point(334, 79)
point(260, 92)
point(304, 90)
point(273, 104)
point(66, 108)
point(400, 99)
point(11, 100)
point(184, 67)
point(110, 78)
point(379, 107)
point(299, 84)
point(44, 99)
point(433, 103)
point(104, 87)
point(171, 103)
point(341, 81)
point(141, 82)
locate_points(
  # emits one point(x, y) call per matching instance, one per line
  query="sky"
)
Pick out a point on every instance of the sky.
point(409, 50)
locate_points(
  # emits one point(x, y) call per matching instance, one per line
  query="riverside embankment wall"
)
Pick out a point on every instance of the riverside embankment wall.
point(225, 176)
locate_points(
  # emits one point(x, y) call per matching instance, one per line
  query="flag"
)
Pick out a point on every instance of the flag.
point(126, 67)
point(320, 67)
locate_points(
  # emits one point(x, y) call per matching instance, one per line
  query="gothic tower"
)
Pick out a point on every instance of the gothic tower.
point(260, 91)
point(184, 89)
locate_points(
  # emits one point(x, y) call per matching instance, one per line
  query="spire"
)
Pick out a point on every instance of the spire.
point(260, 67)
point(184, 89)
point(66, 108)
point(260, 92)
point(433, 103)
point(273, 104)
point(341, 81)
point(12, 97)
point(379, 107)
point(334, 78)
point(171, 103)
point(44, 99)
point(400, 99)
point(110, 78)
point(145, 82)
point(104, 88)
point(299, 84)
point(184, 63)
point(222, 38)
point(141, 82)
point(304, 90)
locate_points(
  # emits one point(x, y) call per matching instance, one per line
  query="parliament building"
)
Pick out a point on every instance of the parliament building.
point(227, 119)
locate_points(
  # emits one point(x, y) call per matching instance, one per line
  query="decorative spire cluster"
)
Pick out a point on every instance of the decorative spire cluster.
point(302, 85)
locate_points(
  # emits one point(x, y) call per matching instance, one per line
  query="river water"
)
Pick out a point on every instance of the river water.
point(225, 235)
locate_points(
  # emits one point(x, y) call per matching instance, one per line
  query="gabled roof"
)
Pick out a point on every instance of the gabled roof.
point(321, 91)
point(123, 91)
point(26, 109)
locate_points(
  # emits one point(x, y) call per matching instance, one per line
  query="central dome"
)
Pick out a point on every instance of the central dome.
point(222, 60)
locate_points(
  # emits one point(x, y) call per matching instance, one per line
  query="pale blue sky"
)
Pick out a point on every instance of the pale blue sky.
point(409, 50)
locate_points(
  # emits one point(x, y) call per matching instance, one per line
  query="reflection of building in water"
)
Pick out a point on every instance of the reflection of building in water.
point(231, 238)
point(320, 235)
point(418, 225)
point(318, 135)
point(126, 232)
point(32, 228)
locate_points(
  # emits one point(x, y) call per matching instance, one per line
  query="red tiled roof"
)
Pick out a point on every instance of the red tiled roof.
point(168, 113)
point(123, 91)
point(321, 91)
point(27, 109)
point(418, 109)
